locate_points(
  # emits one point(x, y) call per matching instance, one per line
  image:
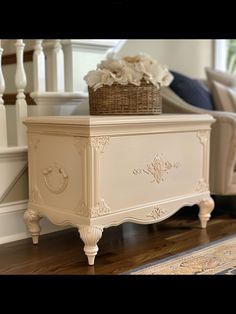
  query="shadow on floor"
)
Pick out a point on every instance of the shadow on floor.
point(223, 205)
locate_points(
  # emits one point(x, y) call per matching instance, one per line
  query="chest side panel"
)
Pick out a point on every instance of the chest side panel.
point(55, 166)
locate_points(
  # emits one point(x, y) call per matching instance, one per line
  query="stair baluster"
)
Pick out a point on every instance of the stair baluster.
point(3, 123)
point(58, 67)
point(21, 105)
point(39, 67)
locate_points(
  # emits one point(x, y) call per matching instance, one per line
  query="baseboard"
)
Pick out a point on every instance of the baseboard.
point(14, 237)
point(12, 227)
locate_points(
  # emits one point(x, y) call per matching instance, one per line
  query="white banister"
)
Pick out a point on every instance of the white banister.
point(39, 67)
point(21, 105)
point(3, 123)
point(58, 67)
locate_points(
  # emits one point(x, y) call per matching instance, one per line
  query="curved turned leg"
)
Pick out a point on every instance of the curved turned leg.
point(206, 207)
point(90, 236)
point(31, 219)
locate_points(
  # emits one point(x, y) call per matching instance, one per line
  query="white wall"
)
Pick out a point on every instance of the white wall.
point(11, 125)
point(189, 57)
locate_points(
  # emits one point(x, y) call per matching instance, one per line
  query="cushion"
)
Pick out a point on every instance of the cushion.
point(191, 91)
point(222, 77)
point(224, 97)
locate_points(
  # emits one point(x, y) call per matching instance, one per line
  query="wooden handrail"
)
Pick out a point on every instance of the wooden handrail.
point(11, 58)
point(10, 99)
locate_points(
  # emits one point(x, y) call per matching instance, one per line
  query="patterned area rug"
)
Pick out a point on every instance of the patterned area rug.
point(218, 257)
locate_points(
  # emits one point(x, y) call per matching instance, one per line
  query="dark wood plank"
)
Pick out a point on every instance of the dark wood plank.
point(11, 58)
point(120, 249)
point(10, 99)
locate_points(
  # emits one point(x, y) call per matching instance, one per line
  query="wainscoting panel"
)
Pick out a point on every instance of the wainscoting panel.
point(12, 226)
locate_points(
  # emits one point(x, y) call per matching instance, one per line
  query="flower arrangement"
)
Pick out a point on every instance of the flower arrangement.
point(129, 70)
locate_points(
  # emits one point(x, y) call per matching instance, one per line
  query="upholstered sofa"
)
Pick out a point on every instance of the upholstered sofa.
point(223, 142)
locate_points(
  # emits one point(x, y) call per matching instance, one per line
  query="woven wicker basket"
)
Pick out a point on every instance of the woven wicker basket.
point(125, 100)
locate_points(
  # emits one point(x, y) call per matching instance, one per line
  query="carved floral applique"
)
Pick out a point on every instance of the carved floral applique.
point(157, 168)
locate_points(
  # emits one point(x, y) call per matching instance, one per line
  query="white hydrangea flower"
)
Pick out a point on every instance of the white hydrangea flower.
point(133, 76)
point(93, 77)
point(120, 77)
point(143, 57)
point(98, 78)
point(129, 70)
point(111, 64)
point(106, 77)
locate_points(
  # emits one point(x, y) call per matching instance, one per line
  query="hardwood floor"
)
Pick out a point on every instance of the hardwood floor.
point(120, 249)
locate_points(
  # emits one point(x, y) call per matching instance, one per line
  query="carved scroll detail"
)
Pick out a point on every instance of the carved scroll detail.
point(157, 212)
point(203, 136)
point(157, 168)
point(35, 195)
point(100, 209)
point(202, 186)
point(99, 142)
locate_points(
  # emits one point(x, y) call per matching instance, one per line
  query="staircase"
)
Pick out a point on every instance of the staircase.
point(54, 86)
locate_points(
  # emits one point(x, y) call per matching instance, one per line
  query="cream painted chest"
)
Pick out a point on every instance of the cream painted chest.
point(94, 172)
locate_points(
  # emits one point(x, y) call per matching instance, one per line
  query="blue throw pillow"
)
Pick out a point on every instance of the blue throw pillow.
point(191, 91)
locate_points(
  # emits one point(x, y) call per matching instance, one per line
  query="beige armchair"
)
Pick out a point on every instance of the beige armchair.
point(223, 142)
